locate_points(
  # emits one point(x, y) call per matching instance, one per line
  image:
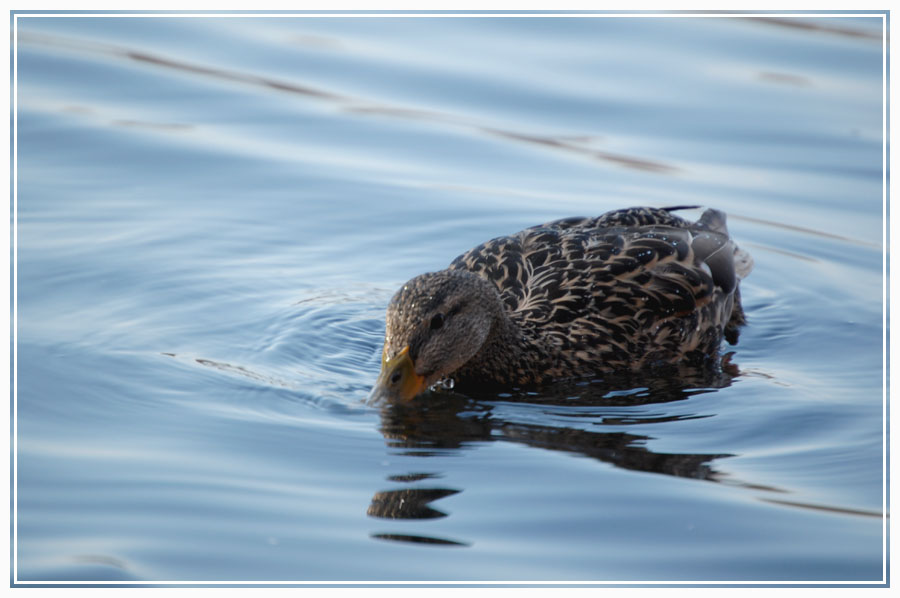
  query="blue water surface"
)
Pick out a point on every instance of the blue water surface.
point(213, 212)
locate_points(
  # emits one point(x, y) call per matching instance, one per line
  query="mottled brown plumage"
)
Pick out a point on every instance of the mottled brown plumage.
point(625, 291)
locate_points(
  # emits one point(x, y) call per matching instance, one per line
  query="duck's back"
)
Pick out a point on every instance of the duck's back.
point(624, 290)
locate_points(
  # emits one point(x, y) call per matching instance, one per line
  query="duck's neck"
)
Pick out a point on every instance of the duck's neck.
point(511, 355)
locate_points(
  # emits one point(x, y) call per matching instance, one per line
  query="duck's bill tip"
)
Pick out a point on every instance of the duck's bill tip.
point(398, 381)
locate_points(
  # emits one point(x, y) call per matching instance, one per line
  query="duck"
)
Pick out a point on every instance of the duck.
point(628, 291)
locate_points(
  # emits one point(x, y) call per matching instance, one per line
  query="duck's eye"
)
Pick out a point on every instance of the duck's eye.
point(437, 321)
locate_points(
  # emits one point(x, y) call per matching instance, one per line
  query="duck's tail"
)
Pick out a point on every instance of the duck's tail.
point(715, 220)
point(676, 208)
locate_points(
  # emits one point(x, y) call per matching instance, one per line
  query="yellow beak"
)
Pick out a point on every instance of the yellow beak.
point(398, 379)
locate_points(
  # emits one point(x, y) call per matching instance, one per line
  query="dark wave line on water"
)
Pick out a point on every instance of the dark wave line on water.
point(778, 250)
point(236, 370)
point(784, 78)
point(805, 25)
point(804, 230)
point(828, 508)
point(577, 145)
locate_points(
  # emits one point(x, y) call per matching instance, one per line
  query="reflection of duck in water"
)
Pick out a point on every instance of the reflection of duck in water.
point(627, 291)
point(587, 420)
point(457, 422)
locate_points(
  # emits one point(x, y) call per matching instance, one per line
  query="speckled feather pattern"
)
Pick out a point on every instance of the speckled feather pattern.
point(627, 290)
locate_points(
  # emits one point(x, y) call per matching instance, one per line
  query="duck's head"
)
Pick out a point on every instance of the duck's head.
point(435, 324)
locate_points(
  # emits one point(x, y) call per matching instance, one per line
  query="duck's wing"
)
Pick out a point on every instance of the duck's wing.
point(654, 273)
point(592, 284)
point(711, 220)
